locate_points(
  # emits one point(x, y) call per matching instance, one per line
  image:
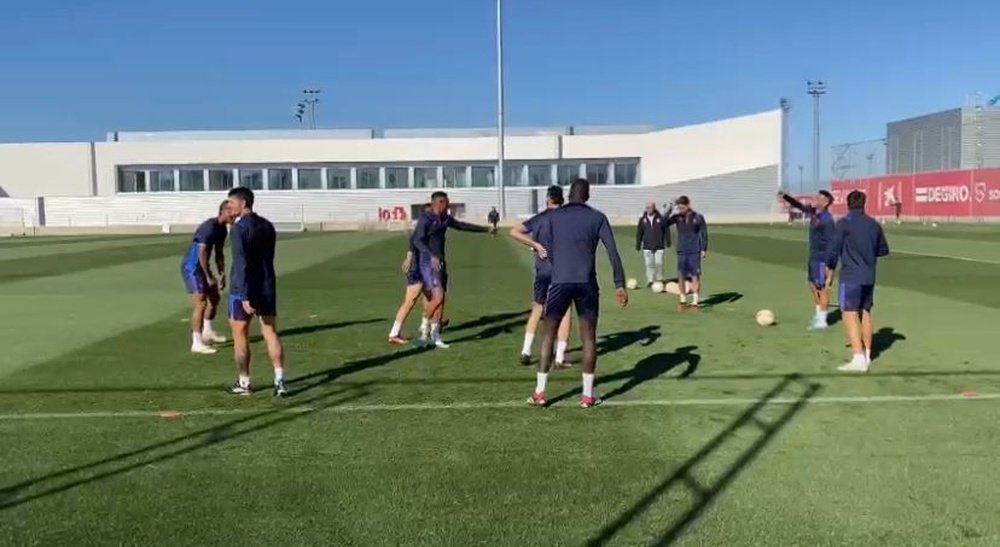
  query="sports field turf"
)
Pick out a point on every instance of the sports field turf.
point(715, 431)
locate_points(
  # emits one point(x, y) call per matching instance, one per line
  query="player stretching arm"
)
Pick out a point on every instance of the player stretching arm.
point(821, 228)
point(858, 243)
point(253, 291)
point(692, 248)
point(576, 230)
point(537, 232)
point(201, 284)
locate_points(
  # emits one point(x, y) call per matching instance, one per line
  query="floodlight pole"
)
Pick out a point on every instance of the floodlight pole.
point(817, 89)
point(501, 194)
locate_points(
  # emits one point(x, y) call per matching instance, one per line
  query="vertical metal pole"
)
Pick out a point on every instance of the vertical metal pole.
point(501, 195)
point(816, 139)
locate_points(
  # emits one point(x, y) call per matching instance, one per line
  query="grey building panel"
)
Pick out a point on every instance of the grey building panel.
point(980, 137)
point(472, 132)
point(926, 143)
point(264, 134)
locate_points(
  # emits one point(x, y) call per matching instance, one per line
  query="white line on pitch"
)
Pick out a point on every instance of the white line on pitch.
point(738, 401)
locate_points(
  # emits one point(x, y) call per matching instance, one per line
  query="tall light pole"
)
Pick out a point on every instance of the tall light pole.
point(501, 195)
point(817, 89)
point(310, 97)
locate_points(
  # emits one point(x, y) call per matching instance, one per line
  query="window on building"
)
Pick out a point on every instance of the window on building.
point(279, 179)
point(597, 173)
point(131, 181)
point(456, 176)
point(539, 175)
point(568, 172)
point(513, 175)
point(425, 177)
point(626, 172)
point(397, 177)
point(368, 177)
point(482, 177)
point(220, 180)
point(310, 179)
point(161, 181)
point(252, 179)
point(192, 180)
point(338, 178)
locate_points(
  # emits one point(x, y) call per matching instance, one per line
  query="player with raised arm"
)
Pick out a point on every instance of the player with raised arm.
point(412, 293)
point(537, 229)
point(576, 230)
point(253, 291)
point(202, 285)
point(821, 228)
point(858, 243)
point(692, 248)
point(429, 240)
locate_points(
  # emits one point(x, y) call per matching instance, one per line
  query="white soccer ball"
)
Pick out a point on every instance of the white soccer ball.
point(657, 287)
point(765, 318)
point(632, 284)
point(934, 225)
point(672, 288)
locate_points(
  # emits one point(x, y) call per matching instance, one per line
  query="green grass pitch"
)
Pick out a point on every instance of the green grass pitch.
point(715, 431)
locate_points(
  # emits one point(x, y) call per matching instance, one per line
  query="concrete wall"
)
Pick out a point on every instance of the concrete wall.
point(51, 169)
point(925, 143)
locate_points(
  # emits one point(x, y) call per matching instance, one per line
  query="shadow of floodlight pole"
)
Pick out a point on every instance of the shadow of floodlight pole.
point(705, 495)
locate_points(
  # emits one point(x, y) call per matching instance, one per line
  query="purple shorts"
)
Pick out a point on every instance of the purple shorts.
point(195, 281)
point(266, 306)
point(584, 296)
point(433, 280)
point(413, 276)
point(818, 273)
point(856, 298)
point(689, 265)
point(541, 289)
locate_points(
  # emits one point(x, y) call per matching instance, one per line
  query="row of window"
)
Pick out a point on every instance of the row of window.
point(371, 177)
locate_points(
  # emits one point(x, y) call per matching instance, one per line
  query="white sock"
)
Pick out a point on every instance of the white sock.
point(684, 298)
point(425, 326)
point(529, 339)
point(279, 375)
point(694, 299)
point(868, 356)
point(435, 331)
point(206, 326)
point(396, 327)
point(540, 383)
point(560, 352)
point(244, 381)
point(588, 385)
point(196, 339)
point(859, 358)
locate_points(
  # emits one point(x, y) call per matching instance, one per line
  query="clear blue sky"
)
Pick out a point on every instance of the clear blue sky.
point(74, 69)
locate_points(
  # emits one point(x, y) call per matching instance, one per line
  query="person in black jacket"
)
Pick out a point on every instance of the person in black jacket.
point(494, 219)
point(652, 236)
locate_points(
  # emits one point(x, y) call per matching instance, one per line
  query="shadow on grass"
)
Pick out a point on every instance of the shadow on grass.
point(617, 341)
point(489, 319)
point(884, 339)
point(308, 382)
point(705, 493)
point(67, 479)
point(649, 368)
point(721, 298)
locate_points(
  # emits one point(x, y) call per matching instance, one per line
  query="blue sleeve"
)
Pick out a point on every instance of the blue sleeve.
point(238, 270)
point(465, 226)
point(703, 234)
point(419, 238)
point(883, 245)
point(836, 245)
point(608, 240)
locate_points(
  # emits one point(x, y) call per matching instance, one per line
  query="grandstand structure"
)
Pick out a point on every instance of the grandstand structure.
point(350, 179)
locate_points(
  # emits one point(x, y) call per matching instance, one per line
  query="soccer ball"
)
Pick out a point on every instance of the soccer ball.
point(765, 318)
point(632, 284)
point(672, 287)
point(657, 287)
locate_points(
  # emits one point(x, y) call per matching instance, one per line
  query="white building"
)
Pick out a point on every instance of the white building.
point(350, 177)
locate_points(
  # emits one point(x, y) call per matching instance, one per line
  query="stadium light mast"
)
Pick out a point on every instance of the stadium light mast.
point(501, 194)
point(817, 89)
point(310, 97)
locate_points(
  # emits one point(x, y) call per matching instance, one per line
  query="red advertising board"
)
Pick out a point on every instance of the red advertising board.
point(958, 194)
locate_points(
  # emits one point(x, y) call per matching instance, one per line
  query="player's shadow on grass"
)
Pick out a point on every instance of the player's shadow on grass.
point(252, 422)
point(883, 340)
point(617, 341)
point(308, 382)
point(702, 492)
point(322, 327)
point(721, 298)
point(489, 332)
point(489, 319)
point(652, 367)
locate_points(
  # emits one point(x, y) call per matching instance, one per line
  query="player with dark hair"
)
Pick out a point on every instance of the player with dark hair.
point(494, 219)
point(692, 248)
point(537, 229)
point(858, 243)
point(429, 240)
point(201, 284)
point(821, 228)
point(413, 292)
point(253, 291)
point(576, 230)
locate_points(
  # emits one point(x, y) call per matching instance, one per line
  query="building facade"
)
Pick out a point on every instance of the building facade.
point(960, 138)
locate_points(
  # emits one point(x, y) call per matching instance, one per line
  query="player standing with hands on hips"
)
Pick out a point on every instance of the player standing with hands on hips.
point(858, 243)
point(575, 231)
point(692, 248)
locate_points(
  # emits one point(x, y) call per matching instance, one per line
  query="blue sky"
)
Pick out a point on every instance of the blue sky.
point(74, 69)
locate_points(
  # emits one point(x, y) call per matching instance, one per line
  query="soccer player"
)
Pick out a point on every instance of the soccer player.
point(652, 236)
point(858, 243)
point(576, 229)
point(429, 240)
point(494, 219)
point(253, 291)
point(821, 228)
point(201, 284)
point(537, 229)
point(692, 248)
point(414, 289)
